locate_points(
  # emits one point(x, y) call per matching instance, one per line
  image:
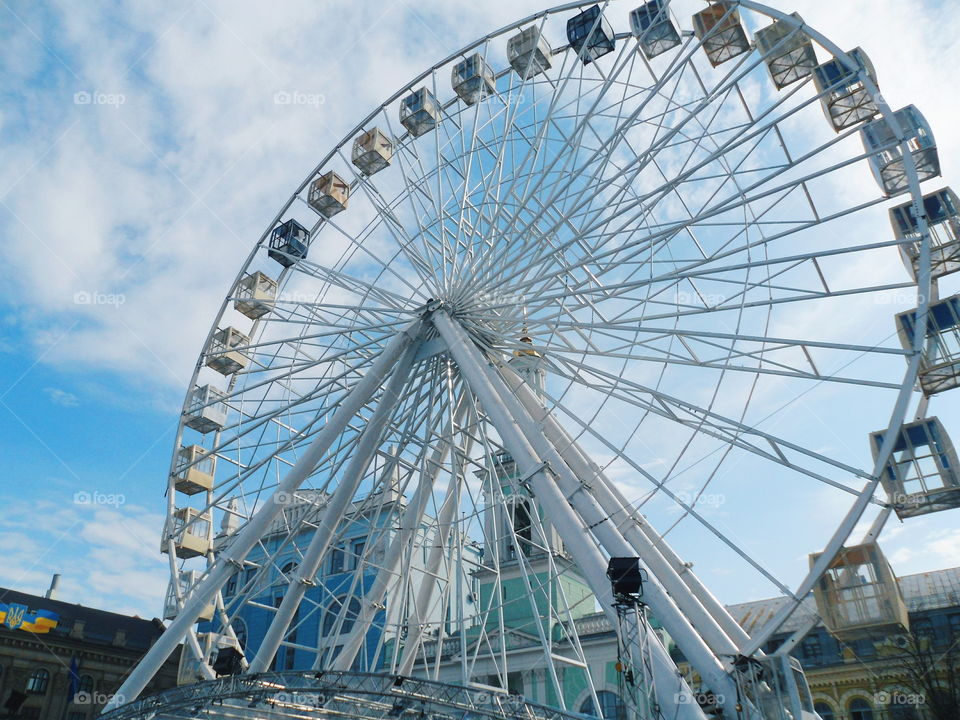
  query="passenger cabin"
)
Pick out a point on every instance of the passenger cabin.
point(721, 33)
point(289, 242)
point(886, 160)
point(528, 52)
point(943, 222)
point(194, 470)
point(858, 597)
point(419, 112)
point(846, 100)
point(224, 354)
point(329, 194)
point(190, 531)
point(473, 79)
point(254, 295)
point(186, 580)
point(921, 475)
point(787, 51)
point(650, 24)
point(372, 151)
point(940, 365)
point(206, 410)
point(590, 34)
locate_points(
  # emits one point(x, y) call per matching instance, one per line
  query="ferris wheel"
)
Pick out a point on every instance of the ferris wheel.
point(481, 384)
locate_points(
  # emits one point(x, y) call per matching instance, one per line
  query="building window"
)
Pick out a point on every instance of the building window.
point(824, 711)
point(860, 710)
point(86, 684)
point(231, 587)
point(240, 630)
point(811, 650)
point(922, 628)
point(333, 612)
point(336, 560)
point(901, 710)
point(357, 550)
point(286, 572)
point(955, 626)
point(37, 684)
point(611, 708)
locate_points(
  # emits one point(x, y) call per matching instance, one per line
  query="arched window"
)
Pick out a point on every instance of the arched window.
point(824, 711)
point(38, 681)
point(333, 611)
point(240, 630)
point(286, 571)
point(860, 710)
point(86, 684)
point(610, 706)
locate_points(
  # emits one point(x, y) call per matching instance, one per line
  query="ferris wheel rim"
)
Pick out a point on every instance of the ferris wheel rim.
point(906, 387)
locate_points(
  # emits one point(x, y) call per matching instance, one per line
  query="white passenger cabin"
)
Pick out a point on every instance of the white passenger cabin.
point(194, 470)
point(886, 159)
point(419, 112)
point(858, 597)
point(329, 194)
point(472, 79)
point(372, 151)
point(845, 98)
point(254, 295)
point(787, 51)
point(722, 35)
point(206, 410)
point(190, 531)
point(528, 52)
point(224, 354)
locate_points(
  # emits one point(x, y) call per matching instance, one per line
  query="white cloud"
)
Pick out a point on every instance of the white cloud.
point(61, 397)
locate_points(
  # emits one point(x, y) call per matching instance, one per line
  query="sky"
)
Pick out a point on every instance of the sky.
point(143, 149)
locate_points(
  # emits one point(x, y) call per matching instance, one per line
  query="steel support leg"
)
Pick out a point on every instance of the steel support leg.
point(674, 691)
point(332, 514)
point(406, 533)
point(251, 533)
point(718, 629)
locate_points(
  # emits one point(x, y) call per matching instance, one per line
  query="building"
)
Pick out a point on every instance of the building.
point(330, 606)
point(62, 661)
point(867, 678)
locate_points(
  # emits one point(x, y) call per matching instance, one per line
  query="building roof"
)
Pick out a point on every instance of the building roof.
point(99, 626)
point(923, 591)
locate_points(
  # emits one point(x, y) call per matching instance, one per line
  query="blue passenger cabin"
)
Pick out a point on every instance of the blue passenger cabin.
point(940, 365)
point(650, 24)
point(943, 224)
point(921, 475)
point(289, 243)
point(590, 34)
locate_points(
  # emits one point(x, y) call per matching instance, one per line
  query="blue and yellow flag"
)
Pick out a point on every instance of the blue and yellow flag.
point(18, 617)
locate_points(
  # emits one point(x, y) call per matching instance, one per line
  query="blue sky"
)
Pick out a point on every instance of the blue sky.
point(142, 151)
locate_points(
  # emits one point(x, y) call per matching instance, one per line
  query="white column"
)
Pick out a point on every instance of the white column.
point(683, 586)
point(332, 514)
point(388, 573)
point(673, 690)
point(249, 535)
